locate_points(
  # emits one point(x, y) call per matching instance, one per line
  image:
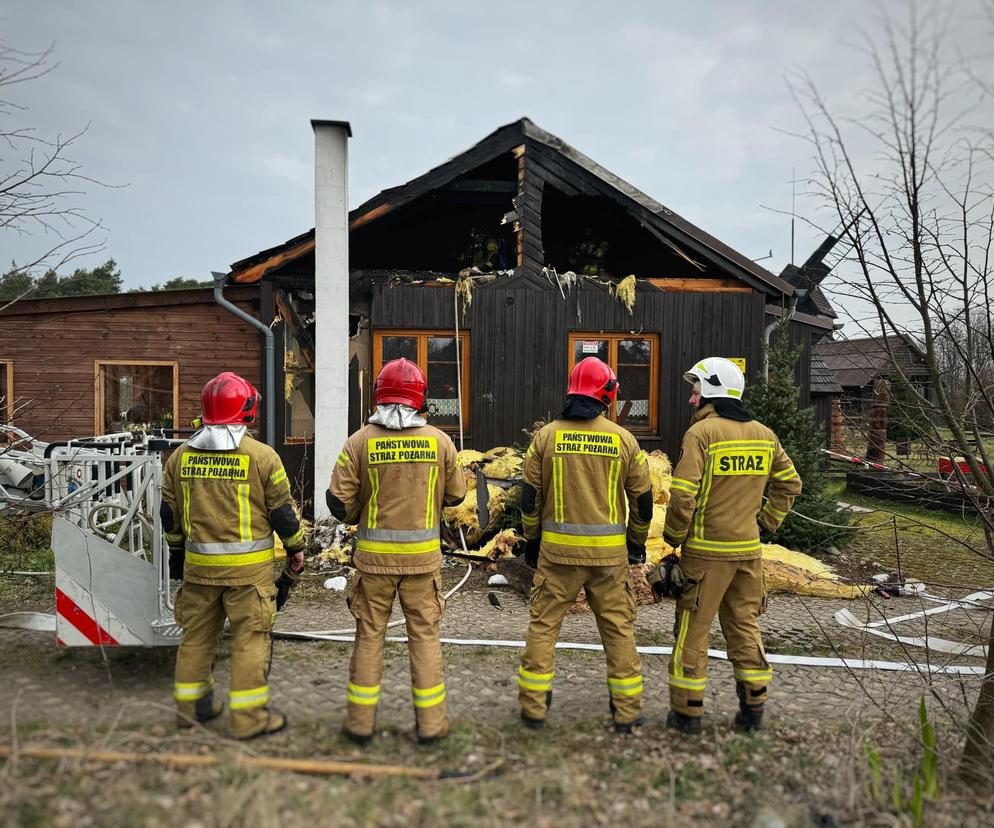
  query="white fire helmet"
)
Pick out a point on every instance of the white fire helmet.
point(718, 377)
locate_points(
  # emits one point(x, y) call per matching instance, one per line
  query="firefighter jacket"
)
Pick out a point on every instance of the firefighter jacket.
point(581, 471)
point(716, 499)
point(223, 507)
point(393, 483)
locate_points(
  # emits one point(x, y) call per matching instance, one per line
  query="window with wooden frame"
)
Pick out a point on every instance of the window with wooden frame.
point(135, 392)
point(435, 353)
point(635, 361)
point(6, 392)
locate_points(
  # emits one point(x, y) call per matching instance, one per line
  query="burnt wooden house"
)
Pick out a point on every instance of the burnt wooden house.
point(495, 271)
point(499, 269)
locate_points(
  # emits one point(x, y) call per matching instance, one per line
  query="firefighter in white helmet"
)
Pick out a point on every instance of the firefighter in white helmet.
point(727, 461)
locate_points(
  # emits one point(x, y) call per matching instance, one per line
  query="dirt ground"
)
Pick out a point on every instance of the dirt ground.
point(808, 766)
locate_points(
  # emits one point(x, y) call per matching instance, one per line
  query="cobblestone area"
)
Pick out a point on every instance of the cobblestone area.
point(46, 688)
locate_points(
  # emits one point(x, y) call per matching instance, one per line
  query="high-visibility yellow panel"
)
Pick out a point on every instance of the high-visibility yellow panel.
point(402, 450)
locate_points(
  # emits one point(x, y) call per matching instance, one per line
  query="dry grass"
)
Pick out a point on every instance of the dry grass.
point(568, 775)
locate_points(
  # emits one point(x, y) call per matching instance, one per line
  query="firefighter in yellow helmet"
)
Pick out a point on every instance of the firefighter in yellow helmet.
point(727, 461)
point(392, 477)
point(223, 495)
point(580, 473)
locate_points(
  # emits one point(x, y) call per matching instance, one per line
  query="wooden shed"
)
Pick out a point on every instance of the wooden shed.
point(74, 367)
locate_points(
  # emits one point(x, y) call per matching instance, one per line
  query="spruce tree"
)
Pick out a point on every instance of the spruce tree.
point(775, 404)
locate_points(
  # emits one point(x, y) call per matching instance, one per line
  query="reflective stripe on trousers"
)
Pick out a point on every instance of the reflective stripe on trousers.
point(357, 694)
point(625, 686)
point(247, 699)
point(428, 697)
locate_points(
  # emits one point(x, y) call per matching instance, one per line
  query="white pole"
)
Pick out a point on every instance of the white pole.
point(331, 301)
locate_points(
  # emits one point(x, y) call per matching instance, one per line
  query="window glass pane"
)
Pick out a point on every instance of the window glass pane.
point(583, 348)
point(395, 347)
point(298, 391)
point(442, 348)
point(634, 352)
point(634, 379)
point(443, 402)
point(137, 394)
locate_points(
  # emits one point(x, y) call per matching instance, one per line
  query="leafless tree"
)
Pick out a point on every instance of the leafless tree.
point(41, 187)
point(910, 179)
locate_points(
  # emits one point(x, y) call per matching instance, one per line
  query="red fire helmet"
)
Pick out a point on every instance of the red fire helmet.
point(401, 381)
point(593, 378)
point(229, 400)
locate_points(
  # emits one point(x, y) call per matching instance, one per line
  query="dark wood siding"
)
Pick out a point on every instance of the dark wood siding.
point(519, 345)
point(54, 344)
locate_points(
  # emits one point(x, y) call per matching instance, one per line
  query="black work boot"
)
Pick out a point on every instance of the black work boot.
point(537, 724)
point(688, 725)
point(749, 719)
point(205, 710)
point(750, 716)
point(361, 739)
point(424, 741)
point(628, 728)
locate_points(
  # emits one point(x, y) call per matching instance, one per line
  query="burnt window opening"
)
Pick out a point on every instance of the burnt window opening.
point(596, 236)
point(458, 225)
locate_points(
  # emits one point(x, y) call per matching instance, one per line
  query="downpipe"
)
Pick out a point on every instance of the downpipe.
point(799, 293)
point(268, 354)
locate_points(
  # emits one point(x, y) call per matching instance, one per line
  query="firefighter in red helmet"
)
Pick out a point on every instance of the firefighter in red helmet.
point(223, 496)
point(393, 477)
point(579, 471)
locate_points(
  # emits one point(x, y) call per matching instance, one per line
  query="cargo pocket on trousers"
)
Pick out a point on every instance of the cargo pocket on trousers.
point(267, 608)
point(178, 613)
point(352, 596)
point(538, 587)
point(691, 598)
point(439, 595)
point(630, 596)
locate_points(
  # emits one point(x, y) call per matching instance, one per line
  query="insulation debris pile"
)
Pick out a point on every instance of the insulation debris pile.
point(785, 569)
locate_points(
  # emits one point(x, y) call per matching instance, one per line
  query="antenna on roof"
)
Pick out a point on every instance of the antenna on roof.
point(793, 211)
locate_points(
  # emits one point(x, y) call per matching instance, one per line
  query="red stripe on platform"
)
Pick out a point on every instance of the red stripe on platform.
point(73, 613)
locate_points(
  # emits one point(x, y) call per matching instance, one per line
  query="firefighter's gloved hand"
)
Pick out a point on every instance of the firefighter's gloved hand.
point(668, 579)
point(531, 552)
point(636, 553)
point(289, 577)
point(177, 555)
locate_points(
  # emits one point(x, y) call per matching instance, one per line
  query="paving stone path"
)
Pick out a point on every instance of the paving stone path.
point(45, 688)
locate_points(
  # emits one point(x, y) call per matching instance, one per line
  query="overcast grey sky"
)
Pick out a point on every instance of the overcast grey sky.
point(202, 109)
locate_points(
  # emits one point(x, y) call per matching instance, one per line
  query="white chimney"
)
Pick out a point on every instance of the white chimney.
point(331, 301)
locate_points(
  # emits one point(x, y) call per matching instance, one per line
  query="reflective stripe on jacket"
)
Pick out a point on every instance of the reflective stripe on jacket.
point(716, 499)
point(582, 471)
point(222, 501)
point(393, 484)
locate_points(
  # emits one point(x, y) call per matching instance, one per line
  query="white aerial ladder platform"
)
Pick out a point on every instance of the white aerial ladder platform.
point(111, 562)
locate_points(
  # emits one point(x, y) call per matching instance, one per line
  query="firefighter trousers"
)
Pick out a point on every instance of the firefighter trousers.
point(736, 593)
point(200, 612)
point(611, 596)
point(371, 603)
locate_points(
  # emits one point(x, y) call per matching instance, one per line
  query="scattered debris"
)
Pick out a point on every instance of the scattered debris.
point(788, 571)
point(624, 292)
point(337, 584)
point(494, 600)
point(497, 580)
